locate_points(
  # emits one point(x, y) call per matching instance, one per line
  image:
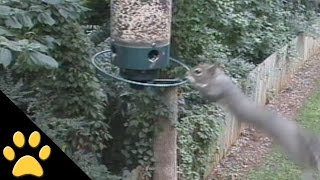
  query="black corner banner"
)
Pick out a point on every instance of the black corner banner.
point(26, 152)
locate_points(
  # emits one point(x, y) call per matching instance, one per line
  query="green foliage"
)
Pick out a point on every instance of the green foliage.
point(197, 17)
point(15, 90)
point(74, 86)
point(248, 29)
point(23, 30)
point(198, 129)
point(99, 12)
point(90, 165)
point(236, 34)
point(59, 130)
point(42, 43)
point(132, 114)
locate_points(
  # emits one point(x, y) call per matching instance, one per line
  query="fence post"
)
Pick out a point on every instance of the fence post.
point(165, 141)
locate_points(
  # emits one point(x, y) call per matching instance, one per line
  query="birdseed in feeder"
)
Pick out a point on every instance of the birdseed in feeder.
point(141, 23)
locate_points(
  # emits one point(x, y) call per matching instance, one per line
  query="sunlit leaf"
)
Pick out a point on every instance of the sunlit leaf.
point(46, 18)
point(37, 46)
point(53, 2)
point(36, 8)
point(10, 44)
point(50, 41)
point(5, 32)
point(5, 10)
point(43, 60)
point(13, 22)
point(64, 13)
point(25, 20)
point(5, 57)
point(23, 42)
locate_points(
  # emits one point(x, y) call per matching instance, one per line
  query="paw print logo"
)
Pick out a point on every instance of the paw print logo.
point(27, 165)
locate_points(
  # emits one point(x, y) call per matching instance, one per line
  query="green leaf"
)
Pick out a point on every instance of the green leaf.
point(37, 46)
point(53, 2)
point(36, 8)
point(46, 18)
point(23, 42)
point(25, 20)
point(5, 32)
point(50, 41)
point(149, 152)
point(5, 57)
point(43, 60)
point(64, 13)
point(13, 22)
point(10, 44)
point(5, 10)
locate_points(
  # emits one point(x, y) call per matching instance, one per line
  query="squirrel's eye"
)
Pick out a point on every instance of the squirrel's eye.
point(197, 71)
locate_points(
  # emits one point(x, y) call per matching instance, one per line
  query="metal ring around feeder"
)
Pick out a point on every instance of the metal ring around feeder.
point(155, 82)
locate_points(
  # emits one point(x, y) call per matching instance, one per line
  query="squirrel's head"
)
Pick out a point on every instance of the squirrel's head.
point(210, 80)
point(201, 75)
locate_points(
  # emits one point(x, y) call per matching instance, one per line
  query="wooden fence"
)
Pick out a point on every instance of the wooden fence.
point(269, 78)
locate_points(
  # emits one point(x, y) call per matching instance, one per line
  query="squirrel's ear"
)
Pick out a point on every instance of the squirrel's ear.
point(212, 68)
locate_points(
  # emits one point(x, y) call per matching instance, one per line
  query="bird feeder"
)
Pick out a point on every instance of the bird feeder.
point(140, 37)
point(140, 45)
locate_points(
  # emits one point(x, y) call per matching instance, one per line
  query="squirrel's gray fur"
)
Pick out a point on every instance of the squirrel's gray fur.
point(301, 146)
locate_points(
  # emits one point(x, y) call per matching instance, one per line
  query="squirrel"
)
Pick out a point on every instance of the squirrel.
point(300, 145)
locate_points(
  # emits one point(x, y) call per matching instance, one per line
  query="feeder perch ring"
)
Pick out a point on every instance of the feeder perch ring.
point(100, 65)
